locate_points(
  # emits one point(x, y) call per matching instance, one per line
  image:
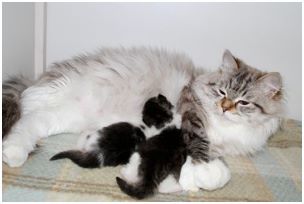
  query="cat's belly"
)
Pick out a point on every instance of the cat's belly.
point(103, 103)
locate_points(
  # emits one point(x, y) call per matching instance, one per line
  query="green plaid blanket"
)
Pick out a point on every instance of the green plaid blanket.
point(273, 174)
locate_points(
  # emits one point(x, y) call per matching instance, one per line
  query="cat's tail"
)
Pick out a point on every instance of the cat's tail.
point(83, 159)
point(140, 191)
point(11, 95)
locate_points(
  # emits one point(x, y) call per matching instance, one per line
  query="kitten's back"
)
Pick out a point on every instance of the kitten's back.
point(161, 155)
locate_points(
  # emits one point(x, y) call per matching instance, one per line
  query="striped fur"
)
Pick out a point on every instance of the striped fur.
point(193, 125)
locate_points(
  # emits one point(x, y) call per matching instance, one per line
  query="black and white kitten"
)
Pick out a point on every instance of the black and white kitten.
point(157, 163)
point(159, 157)
point(114, 144)
point(111, 146)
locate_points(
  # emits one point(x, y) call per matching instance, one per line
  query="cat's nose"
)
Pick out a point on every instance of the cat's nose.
point(227, 104)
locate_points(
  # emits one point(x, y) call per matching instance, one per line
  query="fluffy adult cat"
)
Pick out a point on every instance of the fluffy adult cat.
point(242, 104)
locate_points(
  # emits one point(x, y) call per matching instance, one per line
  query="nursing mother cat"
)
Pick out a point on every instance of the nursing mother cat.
point(242, 105)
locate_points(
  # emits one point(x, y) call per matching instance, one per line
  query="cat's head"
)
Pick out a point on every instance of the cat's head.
point(241, 93)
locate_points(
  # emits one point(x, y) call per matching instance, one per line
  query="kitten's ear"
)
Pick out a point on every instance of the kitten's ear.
point(229, 62)
point(271, 84)
point(164, 100)
point(162, 97)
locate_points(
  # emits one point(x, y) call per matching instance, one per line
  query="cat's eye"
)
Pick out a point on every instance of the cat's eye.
point(244, 103)
point(222, 92)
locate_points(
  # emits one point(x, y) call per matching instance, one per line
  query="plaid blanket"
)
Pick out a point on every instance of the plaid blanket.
point(273, 174)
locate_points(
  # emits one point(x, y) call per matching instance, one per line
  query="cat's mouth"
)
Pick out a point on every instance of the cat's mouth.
point(232, 116)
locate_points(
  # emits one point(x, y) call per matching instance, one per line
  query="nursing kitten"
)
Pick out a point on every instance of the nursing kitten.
point(158, 159)
point(110, 146)
point(163, 155)
point(114, 144)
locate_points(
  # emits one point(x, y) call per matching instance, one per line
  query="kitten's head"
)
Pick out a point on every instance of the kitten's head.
point(240, 93)
point(157, 111)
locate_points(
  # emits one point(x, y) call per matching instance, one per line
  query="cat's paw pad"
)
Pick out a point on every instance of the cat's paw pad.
point(212, 175)
point(14, 156)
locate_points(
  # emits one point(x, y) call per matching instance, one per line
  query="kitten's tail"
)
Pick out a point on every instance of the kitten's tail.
point(83, 159)
point(11, 95)
point(139, 191)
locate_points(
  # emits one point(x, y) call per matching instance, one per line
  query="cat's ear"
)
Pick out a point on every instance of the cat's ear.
point(229, 62)
point(271, 84)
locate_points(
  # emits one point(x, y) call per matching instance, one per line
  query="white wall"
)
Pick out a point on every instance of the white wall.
point(17, 39)
point(265, 35)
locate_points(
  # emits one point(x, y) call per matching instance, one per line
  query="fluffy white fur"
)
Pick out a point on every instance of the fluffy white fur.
point(212, 175)
point(235, 139)
point(129, 171)
point(169, 185)
point(208, 176)
point(187, 179)
point(87, 141)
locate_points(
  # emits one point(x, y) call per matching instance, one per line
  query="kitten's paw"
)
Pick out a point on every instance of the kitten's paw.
point(130, 171)
point(186, 179)
point(14, 156)
point(212, 175)
point(169, 185)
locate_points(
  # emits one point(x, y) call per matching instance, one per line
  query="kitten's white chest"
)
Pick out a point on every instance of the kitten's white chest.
point(176, 121)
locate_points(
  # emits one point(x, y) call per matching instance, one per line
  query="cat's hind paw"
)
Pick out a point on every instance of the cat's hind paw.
point(14, 156)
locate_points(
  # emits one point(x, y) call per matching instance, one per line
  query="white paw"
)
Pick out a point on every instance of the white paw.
point(129, 172)
point(169, 185)
point(212, 175)
point(14, 156)
point(186, 179)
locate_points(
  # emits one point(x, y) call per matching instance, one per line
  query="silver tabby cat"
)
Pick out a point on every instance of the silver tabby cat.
point(243, 105)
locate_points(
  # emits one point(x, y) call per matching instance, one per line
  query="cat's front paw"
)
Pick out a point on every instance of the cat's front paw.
point(14, 156)
point(212, 175)
point(186, 179)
